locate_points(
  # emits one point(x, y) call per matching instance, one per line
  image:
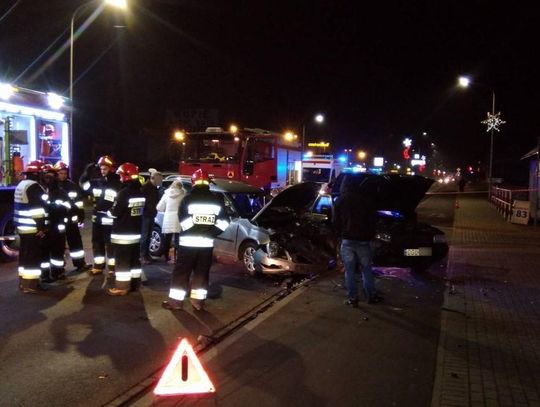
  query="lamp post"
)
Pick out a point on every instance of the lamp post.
point(493, 121)
point(319, 118)
point(121, 4)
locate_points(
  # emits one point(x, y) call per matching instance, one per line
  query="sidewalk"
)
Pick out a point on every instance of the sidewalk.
point(489, 346)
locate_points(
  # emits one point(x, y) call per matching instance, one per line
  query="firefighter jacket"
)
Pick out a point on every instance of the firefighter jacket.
point(127, 214)
point(103, 191)
point(59, 206)
point(30, 207)
point(74, 192)
point(202, 217)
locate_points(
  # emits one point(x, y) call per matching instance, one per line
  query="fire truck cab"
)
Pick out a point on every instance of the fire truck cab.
point(258, 157)
point(33, 126)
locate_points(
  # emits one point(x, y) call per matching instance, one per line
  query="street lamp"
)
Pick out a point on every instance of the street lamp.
point(179, 135)
point(120, 4)
point(348, 151)
point(361, 155)
point(492, 122)
point(319, 118)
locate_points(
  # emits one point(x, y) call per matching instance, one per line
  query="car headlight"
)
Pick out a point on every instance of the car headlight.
point(385, 237)
point(272, 249)
point(439, 239)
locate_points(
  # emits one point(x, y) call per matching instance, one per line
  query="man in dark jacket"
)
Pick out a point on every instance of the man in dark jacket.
point(58, 207)
point(75, 217)
point(151, 192)
point(30, 215)
point(355, 217)
point(103, 189)
point(126, 230)
point(202, 216)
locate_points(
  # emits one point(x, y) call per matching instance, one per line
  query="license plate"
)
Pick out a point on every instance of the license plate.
point(204, 219)
point(421, 251)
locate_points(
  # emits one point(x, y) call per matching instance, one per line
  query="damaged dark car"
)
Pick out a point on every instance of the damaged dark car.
point(302, 241)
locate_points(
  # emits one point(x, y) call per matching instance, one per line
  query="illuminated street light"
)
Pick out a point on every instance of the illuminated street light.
point(120, 4)
point(319, 118)
point(362, 155)
point(179, 135)
point(347, 151)
point(464, 82)
point(233, 129)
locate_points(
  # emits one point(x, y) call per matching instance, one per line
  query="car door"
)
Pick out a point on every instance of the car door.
point(225, 243)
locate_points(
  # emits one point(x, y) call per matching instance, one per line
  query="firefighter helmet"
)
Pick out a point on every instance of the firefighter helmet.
point(60, 165)
point(106, 160)
point(128, 171)
point(46, 168)
point(34, 167)
point(200, 177)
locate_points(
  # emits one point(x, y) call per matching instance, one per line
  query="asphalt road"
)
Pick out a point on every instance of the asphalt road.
point(75, 345)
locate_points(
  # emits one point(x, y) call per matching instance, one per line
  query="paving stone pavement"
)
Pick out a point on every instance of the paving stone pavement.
point(489, 345)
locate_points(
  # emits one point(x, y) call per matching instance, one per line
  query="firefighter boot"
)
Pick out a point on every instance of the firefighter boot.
point(197, 304)
point(135, 284)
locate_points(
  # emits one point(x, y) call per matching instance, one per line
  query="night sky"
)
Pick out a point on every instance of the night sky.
point(379, 73)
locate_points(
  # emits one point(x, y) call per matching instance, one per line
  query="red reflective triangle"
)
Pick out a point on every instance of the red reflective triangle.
point(184, 374)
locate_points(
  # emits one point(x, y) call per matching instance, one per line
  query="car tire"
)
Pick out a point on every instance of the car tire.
point(247, 252)
point(9, 250)
point(155, 245)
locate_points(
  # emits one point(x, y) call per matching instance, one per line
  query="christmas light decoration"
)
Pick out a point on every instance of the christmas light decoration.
point(493, 121)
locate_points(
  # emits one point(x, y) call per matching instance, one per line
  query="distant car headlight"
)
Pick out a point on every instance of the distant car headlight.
point(439, 239)
point(385, 237)
point(272, 249)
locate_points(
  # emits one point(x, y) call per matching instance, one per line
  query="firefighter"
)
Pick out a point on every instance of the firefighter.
point(126, 230)
point(75, 217)
point(30, 215)
point(103, 189)
point(202, 217)
point(58, 207)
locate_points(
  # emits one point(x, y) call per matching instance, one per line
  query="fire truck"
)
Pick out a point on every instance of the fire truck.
point(258, 157)
point(33, 126)
point(321, 168)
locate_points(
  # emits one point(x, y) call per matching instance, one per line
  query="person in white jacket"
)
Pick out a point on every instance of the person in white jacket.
point(169, 203)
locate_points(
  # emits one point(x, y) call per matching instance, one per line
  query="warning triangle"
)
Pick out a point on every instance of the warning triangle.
point(184, 374)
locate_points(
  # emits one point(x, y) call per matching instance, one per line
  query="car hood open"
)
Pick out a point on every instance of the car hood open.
point(394, 192)
point(298, 198)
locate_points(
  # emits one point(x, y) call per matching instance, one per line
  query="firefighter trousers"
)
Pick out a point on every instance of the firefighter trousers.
point(54, 245)
point(128, 266)
point(102, 247)
point(191, 263)
point(74, 241)
point(30, 260)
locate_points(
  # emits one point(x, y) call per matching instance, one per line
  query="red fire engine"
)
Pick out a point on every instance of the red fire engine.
point(33, 126)
point(259, 157)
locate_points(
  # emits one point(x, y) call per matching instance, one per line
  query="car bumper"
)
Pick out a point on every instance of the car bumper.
point(277, 265)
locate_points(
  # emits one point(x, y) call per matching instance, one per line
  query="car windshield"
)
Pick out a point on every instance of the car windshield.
point(316, 174)
point(212, 148)
point(247, 205)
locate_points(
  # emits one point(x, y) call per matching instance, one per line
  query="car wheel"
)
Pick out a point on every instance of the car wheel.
point(9, 249)
point(247, 255)
point(155, 246)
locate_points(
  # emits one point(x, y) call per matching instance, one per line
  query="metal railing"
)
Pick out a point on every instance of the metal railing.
point(501, 199)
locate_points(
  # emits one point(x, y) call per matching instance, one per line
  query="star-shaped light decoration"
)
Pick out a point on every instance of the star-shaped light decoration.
point(493, 121)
